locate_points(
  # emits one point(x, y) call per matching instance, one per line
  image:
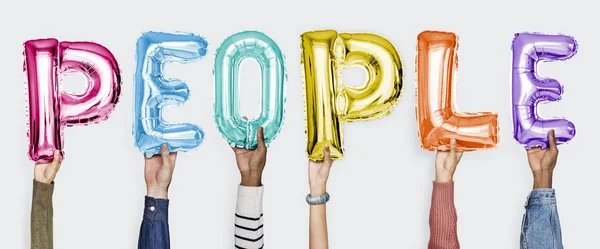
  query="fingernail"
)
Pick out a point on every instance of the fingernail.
point(327, 148)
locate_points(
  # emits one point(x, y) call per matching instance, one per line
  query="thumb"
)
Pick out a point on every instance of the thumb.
point(164, 153)
point(453, 147)
point(327, 162)
point(56, 161)
point(260, 136)
point(552, 141)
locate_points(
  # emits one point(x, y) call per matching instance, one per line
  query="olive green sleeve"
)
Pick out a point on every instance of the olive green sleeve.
point(41, 216)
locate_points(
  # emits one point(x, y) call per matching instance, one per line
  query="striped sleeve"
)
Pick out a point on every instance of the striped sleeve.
point(249, 218)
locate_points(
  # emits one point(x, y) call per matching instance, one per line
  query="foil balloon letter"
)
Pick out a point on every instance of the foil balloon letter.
point(328, 103)
point(238, 131)
point(51, 108)
point(438, 117)
point(153, 92)
point(528, 89)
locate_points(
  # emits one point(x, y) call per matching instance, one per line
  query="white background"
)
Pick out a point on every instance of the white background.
point(381, 190)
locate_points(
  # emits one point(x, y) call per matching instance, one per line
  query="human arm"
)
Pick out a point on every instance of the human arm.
point(541, 224)
point(158, 173)
point(249, 210)
point(41, 227)
point(318, 173)
point(442, 214)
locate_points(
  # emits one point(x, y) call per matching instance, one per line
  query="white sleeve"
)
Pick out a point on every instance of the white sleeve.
point(248, 218)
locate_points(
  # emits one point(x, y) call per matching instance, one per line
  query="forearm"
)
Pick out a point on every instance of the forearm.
point(542, 179)
point(154, 231)
point(318, 238)
point(442, 217)
point(42, 216)
point(249, 217)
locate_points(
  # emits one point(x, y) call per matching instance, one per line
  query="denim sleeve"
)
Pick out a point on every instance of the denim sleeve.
point(154, 233)
point(541, 226)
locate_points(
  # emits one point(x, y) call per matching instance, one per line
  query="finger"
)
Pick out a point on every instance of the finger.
point(327, 162)
point(552, 141)
point(533, 150)
point(453, 147)
point(260, 135)
point(245, 118)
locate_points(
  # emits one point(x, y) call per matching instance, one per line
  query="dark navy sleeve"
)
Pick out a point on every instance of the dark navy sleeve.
point(154, 232)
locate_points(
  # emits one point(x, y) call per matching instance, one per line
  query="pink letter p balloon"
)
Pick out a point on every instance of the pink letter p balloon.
point(51, 108)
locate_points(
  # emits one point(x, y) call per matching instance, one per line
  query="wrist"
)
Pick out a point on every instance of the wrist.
point(318, 190)
point(39, 174)
point(542, 179)
point(157, 192)
point(43, 180)
point(443, 178)
point(251, 179)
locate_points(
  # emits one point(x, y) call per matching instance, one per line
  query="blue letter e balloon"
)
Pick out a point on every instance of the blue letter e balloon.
point(238, 131)
point(153, 91)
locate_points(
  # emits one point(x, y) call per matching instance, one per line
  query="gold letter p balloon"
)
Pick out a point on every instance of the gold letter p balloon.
point(329, 103)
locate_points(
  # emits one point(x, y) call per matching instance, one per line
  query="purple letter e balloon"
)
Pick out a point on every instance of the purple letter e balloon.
point(528, 89)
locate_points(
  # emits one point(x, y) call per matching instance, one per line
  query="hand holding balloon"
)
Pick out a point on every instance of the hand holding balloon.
point(158, 172)
point(446, 162)
point(46, 172)
point(251, 162)
point(542, 162)
point(318, 173)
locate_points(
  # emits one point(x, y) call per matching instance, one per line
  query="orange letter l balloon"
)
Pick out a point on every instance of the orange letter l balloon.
point(437, 115)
